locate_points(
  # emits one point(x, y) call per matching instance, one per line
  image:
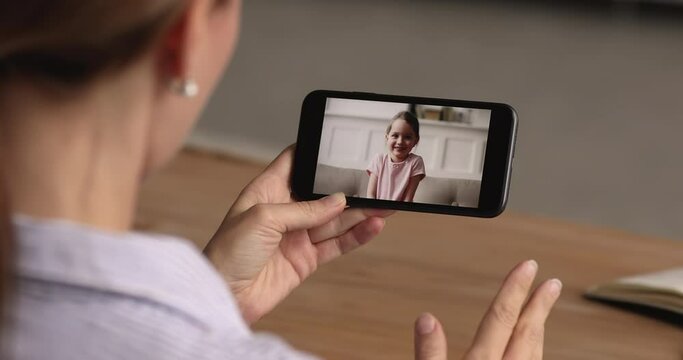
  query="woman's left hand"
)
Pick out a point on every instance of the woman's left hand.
point(269, 243)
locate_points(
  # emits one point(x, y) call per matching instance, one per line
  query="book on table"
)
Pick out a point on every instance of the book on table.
point(661, 290)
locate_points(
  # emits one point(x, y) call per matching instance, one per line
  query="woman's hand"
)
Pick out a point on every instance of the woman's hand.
point(269, 243)
point(511, 328)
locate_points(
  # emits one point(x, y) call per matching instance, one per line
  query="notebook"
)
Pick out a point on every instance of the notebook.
point(662, 290)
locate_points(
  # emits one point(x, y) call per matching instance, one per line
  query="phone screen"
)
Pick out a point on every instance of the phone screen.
point(407, 152)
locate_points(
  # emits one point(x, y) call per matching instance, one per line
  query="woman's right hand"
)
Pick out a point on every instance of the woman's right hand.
point(512, 328)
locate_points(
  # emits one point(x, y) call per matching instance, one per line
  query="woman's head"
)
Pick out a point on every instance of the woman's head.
point(403, 133)
point(65, 50)
point(69, 68)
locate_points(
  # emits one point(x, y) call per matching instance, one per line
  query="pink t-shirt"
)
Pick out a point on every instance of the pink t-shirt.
point(393, 178)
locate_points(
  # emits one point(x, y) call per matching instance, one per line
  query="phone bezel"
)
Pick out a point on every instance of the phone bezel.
point(497, 164)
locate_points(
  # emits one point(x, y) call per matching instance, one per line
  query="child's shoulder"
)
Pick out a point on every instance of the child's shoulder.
point(380, 157)
point(416, 161)
point(415, 157)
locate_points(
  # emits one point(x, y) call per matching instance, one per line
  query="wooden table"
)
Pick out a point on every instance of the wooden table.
point(363, 305)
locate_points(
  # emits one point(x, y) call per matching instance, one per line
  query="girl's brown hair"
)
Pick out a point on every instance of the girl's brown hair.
point(65, 44)
point(408, 117)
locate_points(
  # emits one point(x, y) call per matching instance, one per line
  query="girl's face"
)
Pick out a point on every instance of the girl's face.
point(401, 140)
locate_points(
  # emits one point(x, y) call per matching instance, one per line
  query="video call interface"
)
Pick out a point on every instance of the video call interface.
point(402, 152)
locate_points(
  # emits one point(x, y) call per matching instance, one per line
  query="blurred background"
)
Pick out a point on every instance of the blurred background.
point(598, 87)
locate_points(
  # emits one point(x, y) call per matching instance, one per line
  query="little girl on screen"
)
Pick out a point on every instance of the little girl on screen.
point(396, 174)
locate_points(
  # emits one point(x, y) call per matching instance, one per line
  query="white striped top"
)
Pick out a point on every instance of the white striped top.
point(83, 293)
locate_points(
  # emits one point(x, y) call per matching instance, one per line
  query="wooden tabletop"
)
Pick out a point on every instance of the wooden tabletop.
point(362, 306)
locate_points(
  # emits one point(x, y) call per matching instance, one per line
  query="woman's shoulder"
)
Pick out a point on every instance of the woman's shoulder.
point(138, 295)
point(118, 268)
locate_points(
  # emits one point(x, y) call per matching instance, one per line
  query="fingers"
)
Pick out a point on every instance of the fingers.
point(272, 185)
point(341, 224)
point(527, 339)
point(351, 239)
point(500, 320)
point(282, 165)
point(430, 340)
point(297, 215)
point(353, 228)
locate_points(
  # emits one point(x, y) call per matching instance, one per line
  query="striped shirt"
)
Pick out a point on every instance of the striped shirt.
point(84, 293)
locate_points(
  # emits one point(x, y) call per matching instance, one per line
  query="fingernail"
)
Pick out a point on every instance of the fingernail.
point(555, 286)
point(425, 324)
point(530, 267)
point(334, 199)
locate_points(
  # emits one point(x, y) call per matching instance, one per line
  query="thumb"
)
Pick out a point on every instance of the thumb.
point(302, 215)
point(430, 340)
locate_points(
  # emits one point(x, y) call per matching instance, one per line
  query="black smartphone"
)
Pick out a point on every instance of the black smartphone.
point(405, 153)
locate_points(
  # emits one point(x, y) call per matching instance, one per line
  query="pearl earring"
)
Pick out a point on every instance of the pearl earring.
point(185, 87)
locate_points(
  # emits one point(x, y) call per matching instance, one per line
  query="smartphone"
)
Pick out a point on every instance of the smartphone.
point(405, 153)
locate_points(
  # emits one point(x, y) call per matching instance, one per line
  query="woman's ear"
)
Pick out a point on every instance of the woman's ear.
point(176, 54)
point(172, 57)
